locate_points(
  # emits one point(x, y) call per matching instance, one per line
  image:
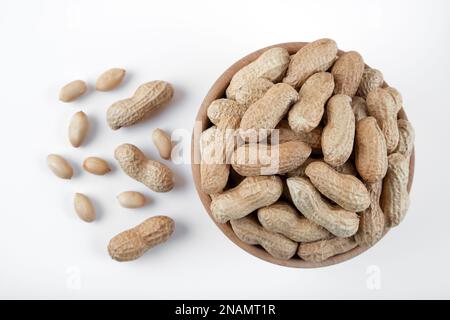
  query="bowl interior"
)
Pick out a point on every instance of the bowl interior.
point(217, 91)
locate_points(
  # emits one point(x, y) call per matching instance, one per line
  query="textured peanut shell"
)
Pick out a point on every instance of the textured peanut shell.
point(267, 112)
point(215, 145)
point(344, 189)
point(347, 72)
point(213, 173)
point(133, 243)
point(224, 108)
point(396, 95)
point(84, 207)
point(96, 166)
point(286, 195)
point(312, 138)
point(110, 79)
point(338, 135)
point(162, 142)
point(78, 128)
point(370, 150)
point(131, 199)
point(72, 91)
point(371, 220)
point(59, 166)
point(359, 107)
point(270, 65)
point(282, 218)
point(248, 230)
point(395, 197)
point(251, 194)
point(155, 175)
point(306, 114)
point(347, 168)
point(260, 159)
point(300, 171)
point(147, 98)
point(231, 122)
point(252, 91)
point(371, 79)
point(314, 57)
point(382, 106)
point(307, 199)
point(406, 138)
point(322, 250)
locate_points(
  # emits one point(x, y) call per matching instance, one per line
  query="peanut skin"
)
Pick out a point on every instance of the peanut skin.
point(271, 65)
point(72, 91)
point(84, 207)
point(306, 114)
point(133, 243)
point(162, 142)
point(346, 190)
point(59, 166)
point(251, 194)
point(155, 175)
point(78, 128)
point(260, 159)
point(282, 218)
point(110, 79)
point(338, 135)
point(370, 150)
point(314, 57)
point(308, 201)
point(248, 230)
point(322, 250)
point(96, 165)
point(131, 199)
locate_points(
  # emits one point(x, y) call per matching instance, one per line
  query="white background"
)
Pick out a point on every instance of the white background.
point(47, 252)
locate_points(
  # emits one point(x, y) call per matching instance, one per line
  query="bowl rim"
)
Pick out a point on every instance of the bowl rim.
point(217, 91)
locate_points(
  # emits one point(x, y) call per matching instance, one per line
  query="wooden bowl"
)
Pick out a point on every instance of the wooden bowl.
point(218, 91)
